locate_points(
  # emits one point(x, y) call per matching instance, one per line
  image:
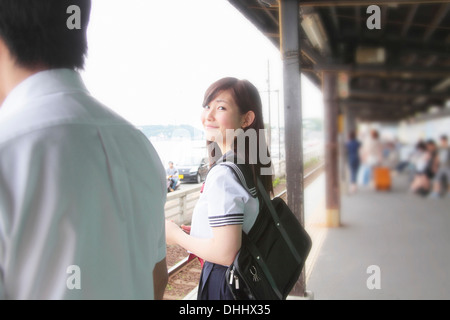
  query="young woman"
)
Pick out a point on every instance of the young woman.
point(225, 208)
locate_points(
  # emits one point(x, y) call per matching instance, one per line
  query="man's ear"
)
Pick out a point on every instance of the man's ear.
point(5, 54)
point(2, 48)
point(248, 119)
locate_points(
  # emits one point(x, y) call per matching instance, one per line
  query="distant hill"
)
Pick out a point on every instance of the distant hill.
point(171, 131)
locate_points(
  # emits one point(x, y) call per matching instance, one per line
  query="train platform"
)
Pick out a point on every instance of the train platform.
point(390, 246)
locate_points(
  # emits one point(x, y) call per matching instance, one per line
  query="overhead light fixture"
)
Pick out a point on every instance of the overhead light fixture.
point(420, 100)
point(268, 3)
point(368, 55)
point(313, 27)
point(343, 85)
point(440, 87)
point(433, 110)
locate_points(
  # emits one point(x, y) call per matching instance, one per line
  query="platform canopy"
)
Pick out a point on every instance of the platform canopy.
point(392, 58)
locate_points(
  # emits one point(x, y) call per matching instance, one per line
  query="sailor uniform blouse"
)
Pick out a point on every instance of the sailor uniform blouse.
point(223, 201)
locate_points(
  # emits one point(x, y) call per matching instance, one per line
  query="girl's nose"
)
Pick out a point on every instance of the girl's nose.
point(209, 113)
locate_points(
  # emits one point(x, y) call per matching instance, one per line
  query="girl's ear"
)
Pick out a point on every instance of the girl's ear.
point(247, 119)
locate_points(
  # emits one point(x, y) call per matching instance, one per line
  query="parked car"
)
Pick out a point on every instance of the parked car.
point(193, 171)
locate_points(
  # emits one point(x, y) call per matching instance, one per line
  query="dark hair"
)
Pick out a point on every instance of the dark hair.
point(352, 135)
point(444, 137)
point(421, 146)
point(375, 134)
point(36, 32)
point(247, 98)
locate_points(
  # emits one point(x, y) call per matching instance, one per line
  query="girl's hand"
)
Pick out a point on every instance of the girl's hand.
point(172, 229)
point(186, 229)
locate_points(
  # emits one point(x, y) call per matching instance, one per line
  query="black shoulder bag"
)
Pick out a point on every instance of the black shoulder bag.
point(274, 251)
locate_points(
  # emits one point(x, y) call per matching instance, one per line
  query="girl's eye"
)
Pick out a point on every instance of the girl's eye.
point(221, 108)
point(206, 107)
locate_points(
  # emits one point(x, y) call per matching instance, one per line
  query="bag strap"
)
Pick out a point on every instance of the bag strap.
point(263, 193)
point(245, 178)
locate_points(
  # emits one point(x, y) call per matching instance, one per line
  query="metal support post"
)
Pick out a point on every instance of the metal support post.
point(331, 149)
point(290, 52)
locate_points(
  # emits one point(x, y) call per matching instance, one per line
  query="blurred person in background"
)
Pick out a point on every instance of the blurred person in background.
point(372, 153)
point(425, 161)
point(441, 180)
point(353, 146)
point(405, 155)
point(391, 155)
point(172, 177)
point(433, 163)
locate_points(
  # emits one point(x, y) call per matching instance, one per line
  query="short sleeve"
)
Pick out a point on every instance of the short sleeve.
point(161, 233)
point(161, 247)
point(2, 290)
point(226, 197)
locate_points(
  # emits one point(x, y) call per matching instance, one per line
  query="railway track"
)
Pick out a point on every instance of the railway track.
point(184, 275)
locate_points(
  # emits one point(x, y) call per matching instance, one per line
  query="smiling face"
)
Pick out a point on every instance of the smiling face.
point(230, 104)
point(220, 118)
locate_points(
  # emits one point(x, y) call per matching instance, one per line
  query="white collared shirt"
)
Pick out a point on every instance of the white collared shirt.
point(82, 196)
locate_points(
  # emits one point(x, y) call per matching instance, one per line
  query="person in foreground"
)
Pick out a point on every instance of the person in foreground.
point(82, 191)
point(225, 208)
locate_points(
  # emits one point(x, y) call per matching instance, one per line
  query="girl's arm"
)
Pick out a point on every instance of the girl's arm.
point(220, 249)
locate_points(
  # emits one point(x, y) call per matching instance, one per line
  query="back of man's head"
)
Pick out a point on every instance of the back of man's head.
point(45, 32)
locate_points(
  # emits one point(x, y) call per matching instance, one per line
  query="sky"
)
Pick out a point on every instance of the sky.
point(151, 61)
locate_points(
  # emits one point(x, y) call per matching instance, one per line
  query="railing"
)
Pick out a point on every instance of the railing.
point(180, 204)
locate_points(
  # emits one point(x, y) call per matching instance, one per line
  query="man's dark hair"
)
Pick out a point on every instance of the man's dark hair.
point(36, 32)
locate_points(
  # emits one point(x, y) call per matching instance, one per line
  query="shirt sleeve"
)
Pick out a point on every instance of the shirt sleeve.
point(226, 197)
point(161, 247)
point(2, 293)
point(161, 239)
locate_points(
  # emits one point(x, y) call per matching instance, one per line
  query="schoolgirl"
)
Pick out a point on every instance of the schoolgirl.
point(225, 208)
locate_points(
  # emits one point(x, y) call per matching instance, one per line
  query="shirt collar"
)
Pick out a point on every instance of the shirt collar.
point(41, 84)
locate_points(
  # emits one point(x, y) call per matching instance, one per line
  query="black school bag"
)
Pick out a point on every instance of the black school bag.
point(274, 251)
